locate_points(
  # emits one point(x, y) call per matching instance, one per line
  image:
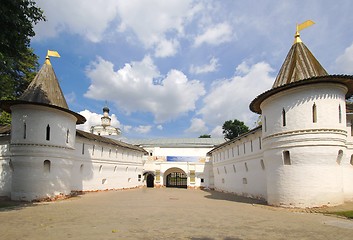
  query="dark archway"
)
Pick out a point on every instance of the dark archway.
point(150, 180)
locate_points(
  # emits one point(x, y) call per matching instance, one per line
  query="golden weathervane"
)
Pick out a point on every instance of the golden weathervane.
point(51, 53)
point(300, 27)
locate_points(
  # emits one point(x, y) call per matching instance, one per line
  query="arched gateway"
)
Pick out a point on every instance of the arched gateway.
point(175, 177)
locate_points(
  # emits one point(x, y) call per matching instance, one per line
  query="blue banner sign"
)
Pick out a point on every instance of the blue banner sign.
point(182, 159)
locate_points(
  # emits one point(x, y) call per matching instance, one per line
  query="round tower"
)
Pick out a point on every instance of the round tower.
point(43, 132)
point(304, 132)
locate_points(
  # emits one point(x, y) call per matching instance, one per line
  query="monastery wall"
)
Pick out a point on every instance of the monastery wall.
point(238, 166)
point(5, 167)
point(347, 162)
point(100, 166)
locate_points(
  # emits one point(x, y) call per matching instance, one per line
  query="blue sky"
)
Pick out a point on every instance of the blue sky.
point(181, 68)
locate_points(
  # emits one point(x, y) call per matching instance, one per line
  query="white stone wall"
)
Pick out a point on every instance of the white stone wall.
point(30, 124)
point(113, 168)
point(238, 167)
point(5, 167)
point(304, 158)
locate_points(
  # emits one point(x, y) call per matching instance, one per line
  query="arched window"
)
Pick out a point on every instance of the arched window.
point(283, 117)
point(286, 158)
point(339, 114)
point(47, 166)
point(262, 164)
point(314, 113)
point(339, 157)
point(48, 133)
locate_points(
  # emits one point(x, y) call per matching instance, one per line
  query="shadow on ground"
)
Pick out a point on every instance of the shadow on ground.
point(233, 197)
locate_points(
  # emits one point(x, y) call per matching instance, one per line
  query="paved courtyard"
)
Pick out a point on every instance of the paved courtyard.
point(165, 214)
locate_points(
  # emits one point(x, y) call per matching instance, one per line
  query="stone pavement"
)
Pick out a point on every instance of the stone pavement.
point(166, 214)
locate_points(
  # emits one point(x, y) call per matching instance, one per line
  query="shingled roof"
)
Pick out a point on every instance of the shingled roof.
point(299, 64)
point(300, 68)
point(43, 90)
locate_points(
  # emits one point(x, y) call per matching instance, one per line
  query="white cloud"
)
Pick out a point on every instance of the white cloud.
point(217, 132)
point(344, 63)
point(197, 126)
point(159, 127)
point(132, 88)
point(211, 67)
point(143, 129)
point(152, 20)
point(215, 35)
point(88, 18)
point(230, 98)
point(94, 119)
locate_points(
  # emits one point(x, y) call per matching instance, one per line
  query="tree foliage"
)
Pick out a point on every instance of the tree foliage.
point(205, 136)
point(18, 63)
point(233, 128)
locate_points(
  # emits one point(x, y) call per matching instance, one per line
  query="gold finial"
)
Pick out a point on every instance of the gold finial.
point(51, 53)
point(300, 27)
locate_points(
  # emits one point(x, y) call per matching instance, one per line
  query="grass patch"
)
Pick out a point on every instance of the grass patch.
point(347, 214)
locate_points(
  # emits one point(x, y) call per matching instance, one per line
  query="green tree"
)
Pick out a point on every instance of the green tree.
point(205, 136)
point(18, 63)
point(233, 128)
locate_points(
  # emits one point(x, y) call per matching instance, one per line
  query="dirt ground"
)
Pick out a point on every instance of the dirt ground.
point(166, 214)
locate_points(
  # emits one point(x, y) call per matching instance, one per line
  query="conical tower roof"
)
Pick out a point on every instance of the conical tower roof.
point(300, 67)
point(299, 64)
point(45, 88)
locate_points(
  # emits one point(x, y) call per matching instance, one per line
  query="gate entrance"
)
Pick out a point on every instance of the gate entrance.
point(177, 180)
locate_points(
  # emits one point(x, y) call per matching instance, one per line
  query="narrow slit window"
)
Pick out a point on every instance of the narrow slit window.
point(81, 168)
point(314, 113)
point(110, 152)
point(83, 148)
point(265, 123)
point(238, 150)
point(260, 146)
point(244, 148)
point(67, 135)
point(234, 169)
point(100, 168)
point(286, 158)
point(351, 161)
point(102, 152)
point(352, 127)
point(24, 130)
point(339, 114)
point(251, 147)
point(94, 146)
point(246, 167)
point(284, 117)
point(225, 170)
point(48, 133)
point(339, 157)
point(262, 164)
